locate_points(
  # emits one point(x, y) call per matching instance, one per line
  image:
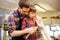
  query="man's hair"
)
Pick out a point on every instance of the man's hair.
point(21, 5)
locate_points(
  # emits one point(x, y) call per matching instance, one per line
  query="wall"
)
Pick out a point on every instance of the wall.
point(48, 15)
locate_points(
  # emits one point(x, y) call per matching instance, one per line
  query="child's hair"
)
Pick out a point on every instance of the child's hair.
point(31, 9)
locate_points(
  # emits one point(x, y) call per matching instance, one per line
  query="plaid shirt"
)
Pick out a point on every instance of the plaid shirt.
point(27, 23)
point(13, 20)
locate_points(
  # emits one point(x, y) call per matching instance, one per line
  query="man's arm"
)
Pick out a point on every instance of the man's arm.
point(18, 33)
point(12, 28)
point(22, 32)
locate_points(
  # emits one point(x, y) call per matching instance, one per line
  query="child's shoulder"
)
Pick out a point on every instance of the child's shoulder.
point(26, 18)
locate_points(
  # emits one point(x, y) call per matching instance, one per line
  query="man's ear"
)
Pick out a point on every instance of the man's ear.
point(29, 9)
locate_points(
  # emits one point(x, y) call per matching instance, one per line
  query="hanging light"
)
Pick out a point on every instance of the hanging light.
point(38, 8)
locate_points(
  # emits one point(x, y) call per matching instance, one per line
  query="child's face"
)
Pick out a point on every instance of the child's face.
point(32, 14)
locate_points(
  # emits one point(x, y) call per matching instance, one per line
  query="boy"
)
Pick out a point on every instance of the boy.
point(29, 21)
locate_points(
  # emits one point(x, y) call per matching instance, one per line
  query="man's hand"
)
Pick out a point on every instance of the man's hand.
point(31, 30)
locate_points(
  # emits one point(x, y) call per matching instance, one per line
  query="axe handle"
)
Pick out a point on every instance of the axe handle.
point(28, 36)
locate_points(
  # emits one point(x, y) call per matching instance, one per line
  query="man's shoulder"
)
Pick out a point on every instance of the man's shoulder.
point(13, 11)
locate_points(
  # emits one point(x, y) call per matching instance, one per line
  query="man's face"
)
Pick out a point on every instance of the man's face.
point(25, 10)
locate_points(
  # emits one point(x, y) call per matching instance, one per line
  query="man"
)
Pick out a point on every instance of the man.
point(15, 21)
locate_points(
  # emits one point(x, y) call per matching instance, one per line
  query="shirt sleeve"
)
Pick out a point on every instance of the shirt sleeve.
point(11, 24)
